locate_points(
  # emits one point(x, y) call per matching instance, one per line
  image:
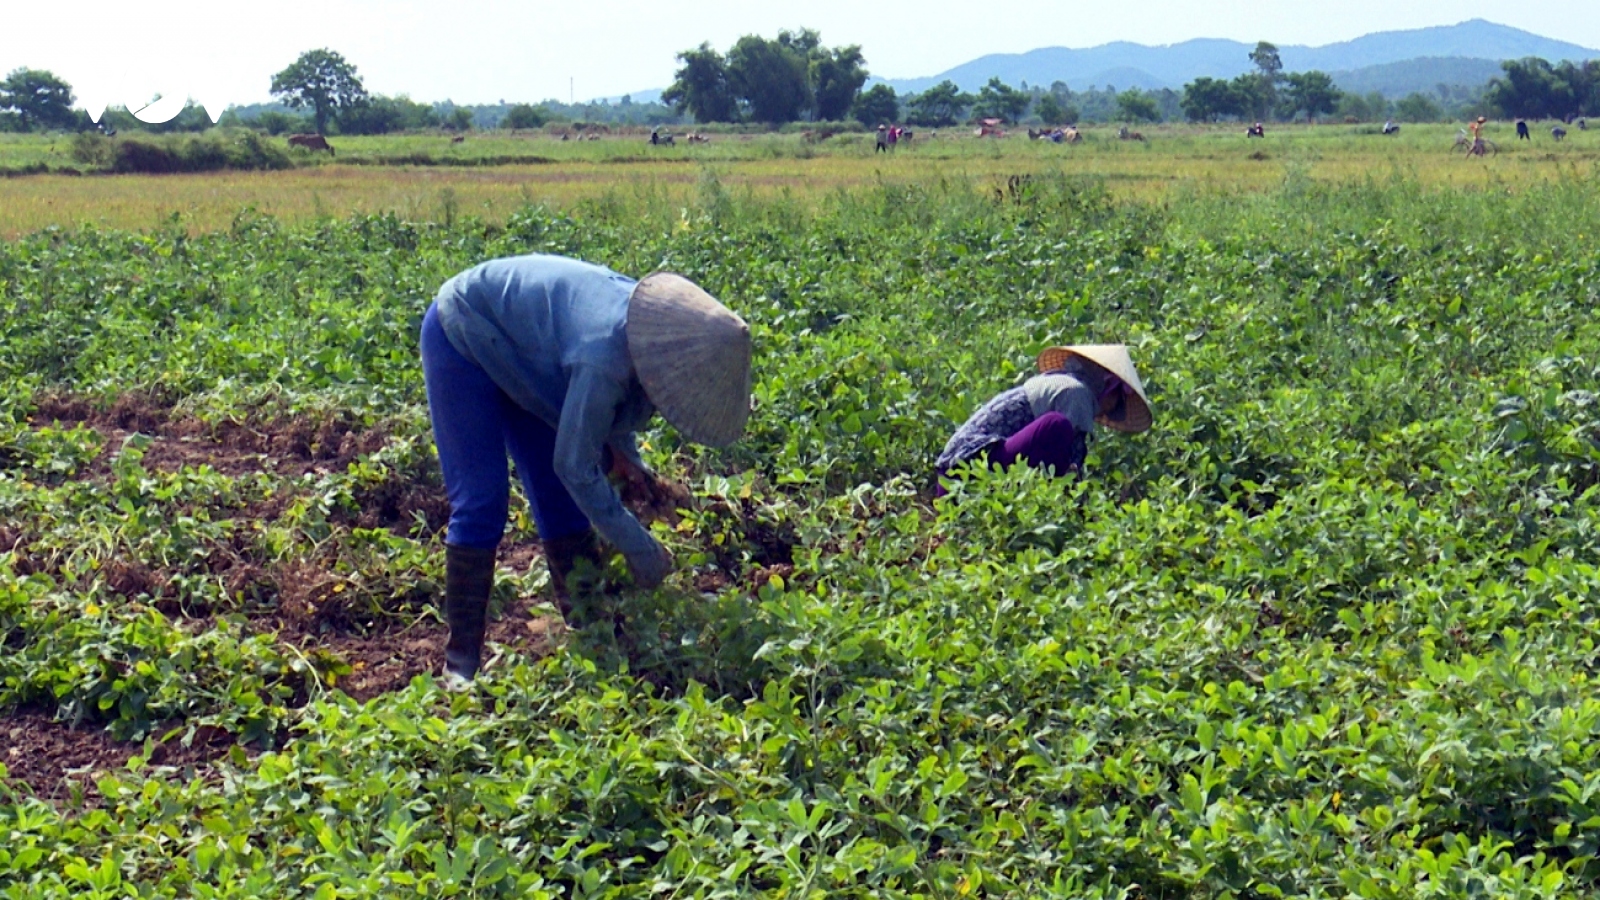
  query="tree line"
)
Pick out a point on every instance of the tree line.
point(793, 77)
point(1266, 94)
point(784, 79)
point(329, 87)
point(320, 91)
point(1533, 88)
point(1530, 88)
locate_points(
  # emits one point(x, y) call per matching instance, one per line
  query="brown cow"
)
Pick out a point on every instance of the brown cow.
point(311, 142)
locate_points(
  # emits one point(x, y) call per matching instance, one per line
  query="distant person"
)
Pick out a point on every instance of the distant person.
point(894, 136)
point(1257, 130)
point(1476, 130)
point(1522, 130)
point(883, 139)
point(1046, 422)
point(655, 136)
point(558, 363)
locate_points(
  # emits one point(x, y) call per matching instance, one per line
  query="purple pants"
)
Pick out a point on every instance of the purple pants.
point(1048, 442)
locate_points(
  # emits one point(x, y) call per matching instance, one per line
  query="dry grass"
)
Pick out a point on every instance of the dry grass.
point(1176, 159)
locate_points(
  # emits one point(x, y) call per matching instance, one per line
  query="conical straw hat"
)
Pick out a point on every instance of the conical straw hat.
point(692, 355)
point(1114, 359)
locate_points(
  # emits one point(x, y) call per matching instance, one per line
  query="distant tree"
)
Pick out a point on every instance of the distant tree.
point(942, 105)
point(1209, 99)
point(1269, 71)
point(1587, 88)
point(322, 80)
point(274, 122)
point(1265, 58)
point(701, 87)
point(1370, 107)
point(525, 116)
point(1415, 107)
point(460, 119)
point(37, 99)
point(836, 78)
point(1312, 93)
point(1169, 102)
point(1255, 95)
point(377, 114)
point(1051, 111)
point(769, 79)
point(999, 100)
point(790, 77)
point(876, 106)
point(1534, 89)
point(1583, 83)
point(1134, 105)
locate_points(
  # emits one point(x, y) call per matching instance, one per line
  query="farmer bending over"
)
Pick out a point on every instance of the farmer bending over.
point(558, 363)
point(1047, 421)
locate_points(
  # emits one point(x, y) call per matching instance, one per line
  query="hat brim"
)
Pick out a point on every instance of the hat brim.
point(1114, 359)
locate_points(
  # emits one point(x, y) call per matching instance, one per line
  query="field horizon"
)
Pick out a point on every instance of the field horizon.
point(372, 175)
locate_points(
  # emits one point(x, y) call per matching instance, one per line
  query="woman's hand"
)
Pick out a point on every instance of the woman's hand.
point(641, 488)
point(633, 478)
point(649, 571)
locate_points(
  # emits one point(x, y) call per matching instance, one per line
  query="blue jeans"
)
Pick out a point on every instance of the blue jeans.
point(475, 426)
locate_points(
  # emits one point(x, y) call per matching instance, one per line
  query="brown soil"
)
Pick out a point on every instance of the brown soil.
point(385, 650)
point(386, 662)
point(284, 446)
point(48, 759)
point(304, 603)
point(399, 504)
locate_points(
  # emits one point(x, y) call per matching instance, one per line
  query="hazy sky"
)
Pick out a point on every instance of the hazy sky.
point(474, 51)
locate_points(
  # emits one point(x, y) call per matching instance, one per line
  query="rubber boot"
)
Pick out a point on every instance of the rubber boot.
point(468, 579)
point(561, 555)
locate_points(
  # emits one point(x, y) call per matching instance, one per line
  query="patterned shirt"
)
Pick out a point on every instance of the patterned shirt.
point(1012, 410)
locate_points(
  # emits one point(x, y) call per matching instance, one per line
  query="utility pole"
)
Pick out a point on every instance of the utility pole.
point(572, 94)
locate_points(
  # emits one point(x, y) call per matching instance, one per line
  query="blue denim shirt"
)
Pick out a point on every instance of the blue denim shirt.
point(550, 332)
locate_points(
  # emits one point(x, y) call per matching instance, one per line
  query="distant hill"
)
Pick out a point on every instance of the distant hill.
point(1459, 51)
point(653, 95)
point(1395, 80)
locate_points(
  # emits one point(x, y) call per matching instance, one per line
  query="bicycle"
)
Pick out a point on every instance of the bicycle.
point(1484, 146)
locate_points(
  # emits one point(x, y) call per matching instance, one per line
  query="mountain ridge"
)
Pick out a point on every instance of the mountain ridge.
point(1173, 65)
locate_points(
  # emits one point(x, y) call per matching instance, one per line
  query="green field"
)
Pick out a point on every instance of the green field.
point(1327, 630)
point(491, 176)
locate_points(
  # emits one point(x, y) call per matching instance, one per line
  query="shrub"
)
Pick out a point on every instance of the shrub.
point(524, 116)
point(273, 122)
point(93, 149)
point(209, 152)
